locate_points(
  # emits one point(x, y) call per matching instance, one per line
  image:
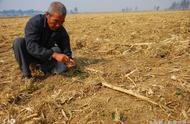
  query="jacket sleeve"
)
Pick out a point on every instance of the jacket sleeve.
point(33, 32)
point(64, 44)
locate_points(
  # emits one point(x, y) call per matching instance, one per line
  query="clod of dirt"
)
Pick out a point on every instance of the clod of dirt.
point(80, 44)
point(20, 98)
point(162, 51)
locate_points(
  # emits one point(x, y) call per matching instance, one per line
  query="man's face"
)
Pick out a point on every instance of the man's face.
point(55, 20)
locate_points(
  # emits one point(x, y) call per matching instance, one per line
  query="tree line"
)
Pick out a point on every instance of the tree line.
point(30, 12)
point(183, 5)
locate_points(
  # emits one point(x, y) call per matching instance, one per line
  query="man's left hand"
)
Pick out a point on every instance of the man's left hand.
point(70, 64)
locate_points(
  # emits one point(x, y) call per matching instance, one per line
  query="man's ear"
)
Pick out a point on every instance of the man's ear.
point(47, 14)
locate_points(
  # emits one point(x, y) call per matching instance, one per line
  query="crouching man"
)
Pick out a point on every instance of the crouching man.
point(46, 43)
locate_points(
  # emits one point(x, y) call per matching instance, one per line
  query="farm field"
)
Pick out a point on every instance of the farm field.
point(146, 53)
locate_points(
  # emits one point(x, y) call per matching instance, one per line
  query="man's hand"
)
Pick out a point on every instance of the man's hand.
point(61, 57)
point(70, 64)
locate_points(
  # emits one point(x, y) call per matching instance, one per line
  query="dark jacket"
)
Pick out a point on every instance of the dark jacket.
point(40, 39)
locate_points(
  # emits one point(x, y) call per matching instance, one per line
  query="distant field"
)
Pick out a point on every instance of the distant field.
point(147, 53)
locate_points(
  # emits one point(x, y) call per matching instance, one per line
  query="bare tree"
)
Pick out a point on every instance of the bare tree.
point(156, 8)
point(185, 4)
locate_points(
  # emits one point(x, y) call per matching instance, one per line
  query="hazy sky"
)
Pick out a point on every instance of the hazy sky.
point(86, 5)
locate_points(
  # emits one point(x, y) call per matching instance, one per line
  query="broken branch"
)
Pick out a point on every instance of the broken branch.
point(130, 73)
point(130, 92)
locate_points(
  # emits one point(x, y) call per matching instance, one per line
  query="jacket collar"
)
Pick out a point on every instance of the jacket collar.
point(45, 21)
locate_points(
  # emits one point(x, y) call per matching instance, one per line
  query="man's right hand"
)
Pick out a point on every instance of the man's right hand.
point(60, 57)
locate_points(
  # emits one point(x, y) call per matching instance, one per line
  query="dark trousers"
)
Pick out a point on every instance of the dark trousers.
point(22, 56)
point(24, 60)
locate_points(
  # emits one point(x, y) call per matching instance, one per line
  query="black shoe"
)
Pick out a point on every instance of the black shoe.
point(28, 79)
point(26, 76)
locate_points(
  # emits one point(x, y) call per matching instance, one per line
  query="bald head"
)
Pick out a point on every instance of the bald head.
point(57, 7)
